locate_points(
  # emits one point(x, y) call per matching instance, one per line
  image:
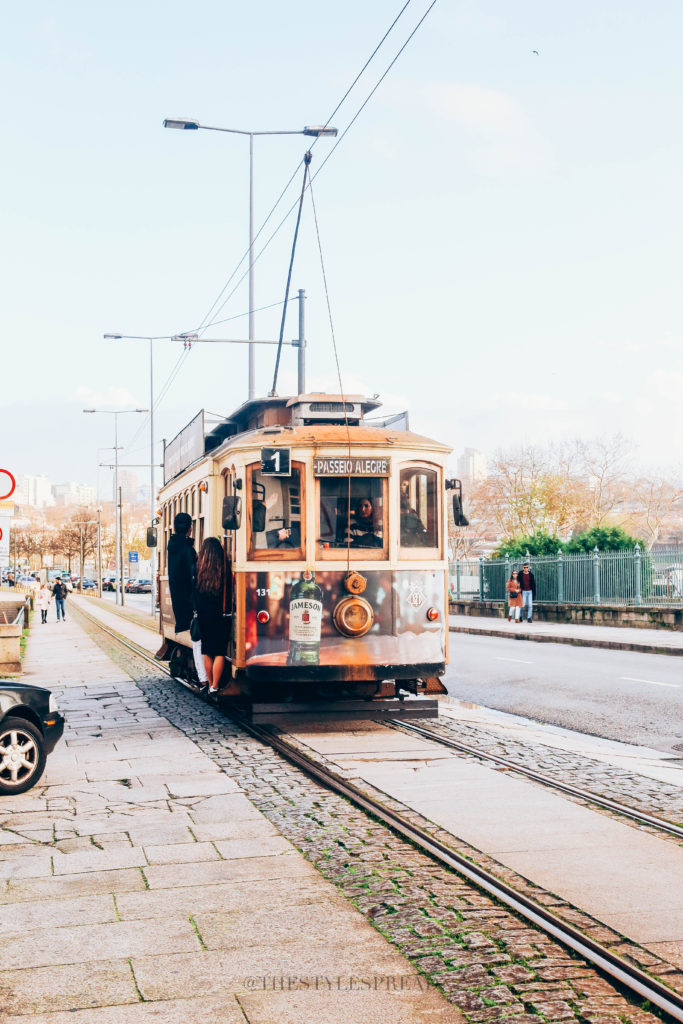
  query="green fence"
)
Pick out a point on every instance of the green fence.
point(636, 577)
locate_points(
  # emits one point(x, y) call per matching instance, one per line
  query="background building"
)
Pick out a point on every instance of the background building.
point(472, 466)
point(72, 493)
point(34, 491)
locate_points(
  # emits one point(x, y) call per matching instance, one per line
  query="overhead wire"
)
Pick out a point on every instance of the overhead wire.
point(298, 166)
point(204, 324)
point(339, 378)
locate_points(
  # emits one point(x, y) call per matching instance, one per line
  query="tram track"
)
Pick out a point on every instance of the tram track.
point(640, 817)
point(617, 969)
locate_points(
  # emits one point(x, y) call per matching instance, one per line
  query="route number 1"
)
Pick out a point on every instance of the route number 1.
point(275, 462)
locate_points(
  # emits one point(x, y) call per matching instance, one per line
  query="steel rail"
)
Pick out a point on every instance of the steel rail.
point(584, 794)
point(609, 963)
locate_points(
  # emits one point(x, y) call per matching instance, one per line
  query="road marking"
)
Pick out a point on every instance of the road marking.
point(654, 682)
point(518, 660)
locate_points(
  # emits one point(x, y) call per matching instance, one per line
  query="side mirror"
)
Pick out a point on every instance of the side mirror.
point(151, 537)
point(459, 517)
point(258, 516)
point(232, 512)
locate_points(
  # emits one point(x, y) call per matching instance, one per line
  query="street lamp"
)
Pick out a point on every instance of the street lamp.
point(116, 413)
point(150, 339)
point(315, 131)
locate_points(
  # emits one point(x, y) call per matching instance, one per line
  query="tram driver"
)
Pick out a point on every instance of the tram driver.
point(362, 532)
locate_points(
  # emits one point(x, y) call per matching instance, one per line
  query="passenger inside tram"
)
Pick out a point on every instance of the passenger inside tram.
point(413, 532)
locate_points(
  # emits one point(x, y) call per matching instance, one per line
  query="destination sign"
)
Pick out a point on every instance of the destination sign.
point(351, 467)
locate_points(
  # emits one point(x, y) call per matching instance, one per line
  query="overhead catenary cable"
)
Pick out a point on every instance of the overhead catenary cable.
point(204, 323)
point(332, 150)
point(339, 378)
point(277, 202)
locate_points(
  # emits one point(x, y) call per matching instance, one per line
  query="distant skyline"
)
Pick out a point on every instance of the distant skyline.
point(502, 229)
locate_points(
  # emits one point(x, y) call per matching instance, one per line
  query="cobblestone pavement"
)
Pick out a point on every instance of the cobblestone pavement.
point(636, 791)
point(488, 962)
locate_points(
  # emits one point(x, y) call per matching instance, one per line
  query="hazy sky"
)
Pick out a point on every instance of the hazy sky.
point(502, 230)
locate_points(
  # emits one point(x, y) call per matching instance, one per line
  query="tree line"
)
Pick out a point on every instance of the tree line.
point(549, 496)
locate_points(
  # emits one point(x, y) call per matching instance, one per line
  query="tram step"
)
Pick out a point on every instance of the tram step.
point(322, 711)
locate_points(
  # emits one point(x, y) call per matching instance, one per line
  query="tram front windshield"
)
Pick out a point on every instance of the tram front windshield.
point(352, 512)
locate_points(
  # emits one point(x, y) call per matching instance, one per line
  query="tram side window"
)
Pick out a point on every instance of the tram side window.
point(419, 508)
point(352, 516)
point(276, 513)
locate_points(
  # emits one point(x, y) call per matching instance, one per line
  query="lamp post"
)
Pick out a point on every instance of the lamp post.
point(315, 131)
point(142, 337)
point(116, 413)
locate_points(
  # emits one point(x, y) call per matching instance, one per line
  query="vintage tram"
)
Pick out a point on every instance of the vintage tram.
point(334, 529)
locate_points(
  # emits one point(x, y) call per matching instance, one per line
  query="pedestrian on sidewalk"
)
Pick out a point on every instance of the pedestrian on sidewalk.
point(182, 572)
point(514, 590)
point(43, 599)
point(528, 583)
point(59, 593)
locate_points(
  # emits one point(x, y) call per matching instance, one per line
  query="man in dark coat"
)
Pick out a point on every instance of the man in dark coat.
point(182, 571)
point(528, 582)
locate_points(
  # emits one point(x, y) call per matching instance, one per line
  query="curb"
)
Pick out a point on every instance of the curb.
point(574, 641)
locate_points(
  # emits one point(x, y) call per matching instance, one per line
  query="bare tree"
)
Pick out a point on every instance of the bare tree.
point(657, 501)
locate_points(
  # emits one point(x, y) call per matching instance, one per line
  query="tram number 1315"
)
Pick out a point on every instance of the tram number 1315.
point(275, 462)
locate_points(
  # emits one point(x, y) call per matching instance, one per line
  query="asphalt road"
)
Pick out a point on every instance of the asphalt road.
point(138, 602)
point(619, 695)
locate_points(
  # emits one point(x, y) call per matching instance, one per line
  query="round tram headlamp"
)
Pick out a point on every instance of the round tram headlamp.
point(263, 617)
point(353, 616)
point(433, 614)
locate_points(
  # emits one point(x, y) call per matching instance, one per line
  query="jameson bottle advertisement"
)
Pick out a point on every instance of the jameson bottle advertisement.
point(305, 620)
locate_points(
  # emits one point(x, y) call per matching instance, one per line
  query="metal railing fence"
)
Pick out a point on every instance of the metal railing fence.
point(633, 577)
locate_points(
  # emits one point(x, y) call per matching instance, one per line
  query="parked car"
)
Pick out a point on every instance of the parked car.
point(139, 587)
point(30, 728)
point(109, 583)
point(88, 584)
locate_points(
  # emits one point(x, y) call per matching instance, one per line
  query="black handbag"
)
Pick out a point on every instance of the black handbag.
point(195, 632)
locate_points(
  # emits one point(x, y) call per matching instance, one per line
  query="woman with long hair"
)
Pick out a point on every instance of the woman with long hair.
point(514, 589)
point(208, 601)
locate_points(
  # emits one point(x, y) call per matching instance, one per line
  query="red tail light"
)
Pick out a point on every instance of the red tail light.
point(263, 617)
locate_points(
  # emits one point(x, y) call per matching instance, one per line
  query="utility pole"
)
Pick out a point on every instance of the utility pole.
point(302, 343)
point(99, 551)
point(119, 514)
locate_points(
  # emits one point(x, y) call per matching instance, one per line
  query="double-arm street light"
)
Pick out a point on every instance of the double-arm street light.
point(116, 413)
point(315, 131)
point(152, 497)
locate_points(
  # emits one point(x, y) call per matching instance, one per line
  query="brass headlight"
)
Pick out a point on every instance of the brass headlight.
point(353, 616)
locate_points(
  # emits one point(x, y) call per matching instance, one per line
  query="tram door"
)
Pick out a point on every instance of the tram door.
point(229, 596)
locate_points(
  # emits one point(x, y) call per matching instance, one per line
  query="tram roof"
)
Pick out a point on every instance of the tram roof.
point(333, 434)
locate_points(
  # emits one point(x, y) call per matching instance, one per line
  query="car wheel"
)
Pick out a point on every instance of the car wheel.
point(22, 755)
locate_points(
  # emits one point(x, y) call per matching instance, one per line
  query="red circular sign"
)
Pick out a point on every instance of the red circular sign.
point(12, 486)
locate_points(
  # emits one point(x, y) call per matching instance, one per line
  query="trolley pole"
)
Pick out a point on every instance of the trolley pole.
point(302, 342)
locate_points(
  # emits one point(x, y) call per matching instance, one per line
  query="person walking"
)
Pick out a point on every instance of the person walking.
point(514, 590)
point(43, 602)
point(59, 593)
point(182, 572)
point(528, 584)
point(208, 602)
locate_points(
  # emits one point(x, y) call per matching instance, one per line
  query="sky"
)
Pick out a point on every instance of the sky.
point(501, 229)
